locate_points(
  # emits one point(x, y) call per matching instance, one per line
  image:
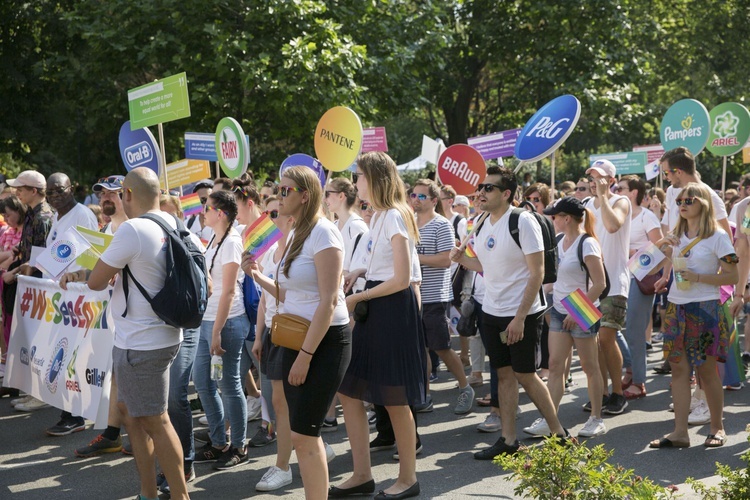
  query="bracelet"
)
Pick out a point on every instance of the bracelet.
point(367, 294)
point(306, 352)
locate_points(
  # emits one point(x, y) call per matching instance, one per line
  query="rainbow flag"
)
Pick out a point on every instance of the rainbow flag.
point(470, 251)
point(191, 204)
point(260, 236)
point(581, 309)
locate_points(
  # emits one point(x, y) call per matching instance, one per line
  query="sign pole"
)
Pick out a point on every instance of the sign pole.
point(723, 175)
point(552, 178)
point(163, 156)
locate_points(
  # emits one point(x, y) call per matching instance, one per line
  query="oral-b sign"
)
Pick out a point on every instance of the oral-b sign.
point(548, 128)
point(138, 148)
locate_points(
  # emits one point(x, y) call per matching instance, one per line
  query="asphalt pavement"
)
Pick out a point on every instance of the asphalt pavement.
point(34, 465)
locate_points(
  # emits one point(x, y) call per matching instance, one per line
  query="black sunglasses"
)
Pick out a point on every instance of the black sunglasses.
point(52, 192)
point(364, 206)
point(488, 187)
point(273, 214)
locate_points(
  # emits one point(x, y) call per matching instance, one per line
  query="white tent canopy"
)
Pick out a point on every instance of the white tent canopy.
point(416, 165)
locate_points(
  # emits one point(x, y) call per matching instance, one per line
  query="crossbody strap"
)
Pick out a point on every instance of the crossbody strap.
point(690, 245)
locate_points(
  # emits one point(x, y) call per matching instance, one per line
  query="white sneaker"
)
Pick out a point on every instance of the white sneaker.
point(274, 478)
point(491, 424)
point(21, 400)
point(203, 420)
point(539, 428)
point(330, 454)
point(593, 427)
point(254, 408)
point(694, 402)
point(32, 405)
point(701, 414)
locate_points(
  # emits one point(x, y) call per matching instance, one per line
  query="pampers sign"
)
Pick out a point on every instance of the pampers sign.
point(685, 124)
point(548, 128)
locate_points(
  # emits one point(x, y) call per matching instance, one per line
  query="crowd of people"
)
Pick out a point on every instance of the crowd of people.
point(375, 267)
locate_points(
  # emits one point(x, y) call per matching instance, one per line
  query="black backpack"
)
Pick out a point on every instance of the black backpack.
point(549, 237)
point(585, 268)
point(182, 301)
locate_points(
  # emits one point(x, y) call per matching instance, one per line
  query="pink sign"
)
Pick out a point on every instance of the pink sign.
point(373, 139)
point(462, 167)
point(653, 152)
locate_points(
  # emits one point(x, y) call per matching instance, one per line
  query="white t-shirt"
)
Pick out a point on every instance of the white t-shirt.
point(361, 258)
point(79, 215)
point(640, 226)
point(703, 258)
point(504, 264)
point(141, 245)
point(268, 268)
point(229, 252)
point(384, 226)
point(615, 248)
point(672, 213)
point(302, 295)
point(354, 226)
point(570, 276)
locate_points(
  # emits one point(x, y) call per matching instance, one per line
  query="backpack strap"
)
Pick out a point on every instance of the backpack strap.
point(515, 234)
point(584, 267)
point(456, 221)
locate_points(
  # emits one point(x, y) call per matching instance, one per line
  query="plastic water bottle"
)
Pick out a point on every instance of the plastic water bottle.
point(217, 367)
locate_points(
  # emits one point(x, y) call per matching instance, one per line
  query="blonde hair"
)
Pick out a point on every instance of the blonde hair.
point(306, 179)
point(386, 188)
point(707, 225)
point(169, 199)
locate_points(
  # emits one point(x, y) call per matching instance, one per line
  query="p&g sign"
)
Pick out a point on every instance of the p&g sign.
point(548, 128)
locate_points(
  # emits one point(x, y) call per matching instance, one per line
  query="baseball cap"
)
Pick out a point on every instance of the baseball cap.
point(205, 183)
point(461, 201)
point(111, 183)
point(568, 205)
point(604, 167)
point(29, 178)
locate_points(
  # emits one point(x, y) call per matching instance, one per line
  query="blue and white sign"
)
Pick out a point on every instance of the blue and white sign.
point(138, 148)
point(303, 160)
point(548, 128)
point(202, 146)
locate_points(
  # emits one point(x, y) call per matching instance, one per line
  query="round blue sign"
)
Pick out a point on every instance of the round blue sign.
point(645, 259)
point(548, 128)
point(303, 160)
point(138, 148)
point(63, 251)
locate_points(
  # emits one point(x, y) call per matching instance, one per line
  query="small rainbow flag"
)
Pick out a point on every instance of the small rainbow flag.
point(191, 204)
point(581, 309)
point(260, 236)
point(470, 251)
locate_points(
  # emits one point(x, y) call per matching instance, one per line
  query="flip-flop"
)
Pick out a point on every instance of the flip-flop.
point(668, 443)
point(711, 441)
point(484, 401)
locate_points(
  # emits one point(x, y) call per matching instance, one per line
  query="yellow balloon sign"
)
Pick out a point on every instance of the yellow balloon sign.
point(338, 138)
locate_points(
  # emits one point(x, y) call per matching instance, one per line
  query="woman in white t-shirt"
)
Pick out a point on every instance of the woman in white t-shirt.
point(697, 330)
point(388, 366)
point(340, 198)
point(576, 224)
point(309, 285)
point(223, 331)
point(644, 228)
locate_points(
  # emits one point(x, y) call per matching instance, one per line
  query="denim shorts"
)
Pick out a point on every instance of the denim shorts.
point(556, 325)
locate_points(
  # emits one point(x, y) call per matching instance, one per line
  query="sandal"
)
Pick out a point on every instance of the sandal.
point(714, 441)
point(627, 379)
point(635, 391)
point(668, 443)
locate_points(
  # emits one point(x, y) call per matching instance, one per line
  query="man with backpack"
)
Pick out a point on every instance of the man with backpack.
point(145, 345)
point(514, 269)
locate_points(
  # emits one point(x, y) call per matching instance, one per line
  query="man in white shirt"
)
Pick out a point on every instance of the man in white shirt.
point(145, 346)
point(195, 223)
point(613, 219)
point(743, 190)
point(512, 309)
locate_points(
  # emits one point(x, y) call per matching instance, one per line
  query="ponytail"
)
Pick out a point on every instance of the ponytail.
point(589, 220)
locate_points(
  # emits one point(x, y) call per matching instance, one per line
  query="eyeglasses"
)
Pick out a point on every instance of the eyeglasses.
point(328, 193)
point(364, 206)
point(284, 190)
point(58, 191)
point(273, 214)
point(112, 179)
point(208, 208)
point(582, 188)
point(203, 200)
point(420, 197)
point(487, 187)
point(687, 201)
point(533, 199)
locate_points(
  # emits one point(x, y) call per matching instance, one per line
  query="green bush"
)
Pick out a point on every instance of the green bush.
point(734, 485)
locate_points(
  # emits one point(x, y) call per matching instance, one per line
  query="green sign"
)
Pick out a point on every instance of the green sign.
point(685, 124)
point(162, 101)
point(231, 148)
point(730, 128)
point(625, 163)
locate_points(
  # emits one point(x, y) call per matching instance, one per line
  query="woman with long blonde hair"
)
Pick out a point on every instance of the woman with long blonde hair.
point(388, 366)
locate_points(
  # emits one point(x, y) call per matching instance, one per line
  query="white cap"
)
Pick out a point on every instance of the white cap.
point(604, 167)
point(29, 178)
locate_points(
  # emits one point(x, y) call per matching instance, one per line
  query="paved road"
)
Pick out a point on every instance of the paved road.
point(33, 465)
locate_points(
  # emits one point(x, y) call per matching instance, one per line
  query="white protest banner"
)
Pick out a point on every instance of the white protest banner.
point(61, 347)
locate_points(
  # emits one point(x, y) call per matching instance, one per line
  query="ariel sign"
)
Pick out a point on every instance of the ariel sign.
point(231, 149)
point(685, 124)
point(729, 128)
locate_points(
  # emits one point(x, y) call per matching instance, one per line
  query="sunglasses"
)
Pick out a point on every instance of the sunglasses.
point(242, 191)
point(420, 197)
point(52, 192)
point(488, 187)
point(284, 190)
point(582, 188)
point(273, 214)
point(112, 179)
point(328, 193)
point(670, 170)
point(208, 208)
point(533, 199)
point(364, 206)
point(355, 177)
point(687, 201)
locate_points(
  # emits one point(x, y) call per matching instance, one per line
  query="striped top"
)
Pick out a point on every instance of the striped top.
point(435, 237)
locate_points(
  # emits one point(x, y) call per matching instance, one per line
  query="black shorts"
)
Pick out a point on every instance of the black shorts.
point(437, 333)
point(521, 356)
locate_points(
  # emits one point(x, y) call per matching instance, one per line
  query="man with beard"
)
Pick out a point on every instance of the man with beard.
point(109, 191)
